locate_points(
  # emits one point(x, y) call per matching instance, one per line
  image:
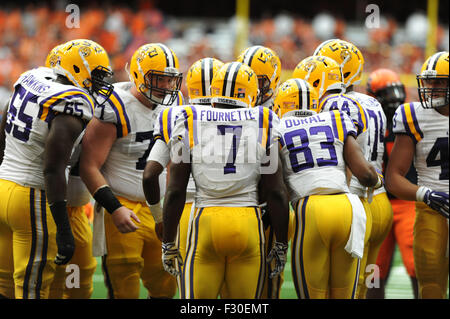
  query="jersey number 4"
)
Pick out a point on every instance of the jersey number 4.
point(438, 156)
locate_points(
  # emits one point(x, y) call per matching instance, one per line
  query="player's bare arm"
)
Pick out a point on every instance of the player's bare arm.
point(278, 207)
point(175, 199)
point(64, 130)
point(358, 165)
point(150, 181)
point(399, 162)
point(277, 202)
point(150, 184)
point(97, 143)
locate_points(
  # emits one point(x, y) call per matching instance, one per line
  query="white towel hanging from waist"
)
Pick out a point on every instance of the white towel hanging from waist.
point(355, 243)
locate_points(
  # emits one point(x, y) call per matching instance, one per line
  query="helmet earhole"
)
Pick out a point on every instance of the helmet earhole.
point(346, 74)
point(316, 83)
point(135, 75)
point(76, 69)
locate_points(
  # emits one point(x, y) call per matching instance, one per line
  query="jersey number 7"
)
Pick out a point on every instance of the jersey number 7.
point(236, 130)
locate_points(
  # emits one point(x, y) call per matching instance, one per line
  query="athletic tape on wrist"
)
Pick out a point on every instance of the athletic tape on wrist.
point(420, 194)
point(156, 211)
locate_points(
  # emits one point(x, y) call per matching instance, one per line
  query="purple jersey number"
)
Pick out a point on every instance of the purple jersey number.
point(379, 133)
point(236, 130)
point(303, 147)
point(19, 123)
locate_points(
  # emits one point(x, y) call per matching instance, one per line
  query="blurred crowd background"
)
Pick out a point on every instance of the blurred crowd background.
point(197, 29)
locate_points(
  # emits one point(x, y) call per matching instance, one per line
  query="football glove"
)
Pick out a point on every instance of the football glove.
point(279, 252)
point(437, 201)
point(170, 256)
point(66, 247)
point(64, 237)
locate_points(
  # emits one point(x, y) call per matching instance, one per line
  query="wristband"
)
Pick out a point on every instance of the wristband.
point(156, 211)
point(420, 194)
point(105, 197)
point(59, 213)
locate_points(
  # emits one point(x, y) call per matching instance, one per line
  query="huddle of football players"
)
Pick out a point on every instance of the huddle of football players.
point(206, 196)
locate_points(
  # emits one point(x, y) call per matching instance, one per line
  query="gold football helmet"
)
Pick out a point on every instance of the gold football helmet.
point(347, 55)
point(322, 72)
point(267, 66)
point(433, 81)
point(54, 56)
point(234, 84)
point(86, 64)
point(296, 97)
point(154, 71)
point(198, 80)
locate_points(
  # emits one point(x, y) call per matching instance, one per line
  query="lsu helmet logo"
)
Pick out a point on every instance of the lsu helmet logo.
point(346, 54)
point(250, 74)
point(310, 66)
point(85, 51)
point(54, 60)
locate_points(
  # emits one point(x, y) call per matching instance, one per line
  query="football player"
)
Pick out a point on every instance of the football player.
point(77, 197)
point(267, 66)
point(228, 145)
point(115, 148)
point(198, 81)
point(351, 63)
point(44, 121)
point(421, 135)
point(326, 213)
point(386, 87)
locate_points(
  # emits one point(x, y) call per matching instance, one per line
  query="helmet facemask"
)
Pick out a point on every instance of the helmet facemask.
point(433, 90)
point(264, 89)
point(100, 90)
point(157, 89)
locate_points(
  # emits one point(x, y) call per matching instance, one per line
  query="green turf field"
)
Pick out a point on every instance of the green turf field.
point(398, 285)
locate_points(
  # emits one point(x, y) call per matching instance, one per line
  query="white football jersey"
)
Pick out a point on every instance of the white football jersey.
point(163, 131)
point(134, 123)
point(429, 131)
point(36, 100)
point(226, 148)
point(353, 108)
point(313, 153)
point(377, 130)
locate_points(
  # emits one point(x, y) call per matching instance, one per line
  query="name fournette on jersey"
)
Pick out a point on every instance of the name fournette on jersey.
point(226, 116)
